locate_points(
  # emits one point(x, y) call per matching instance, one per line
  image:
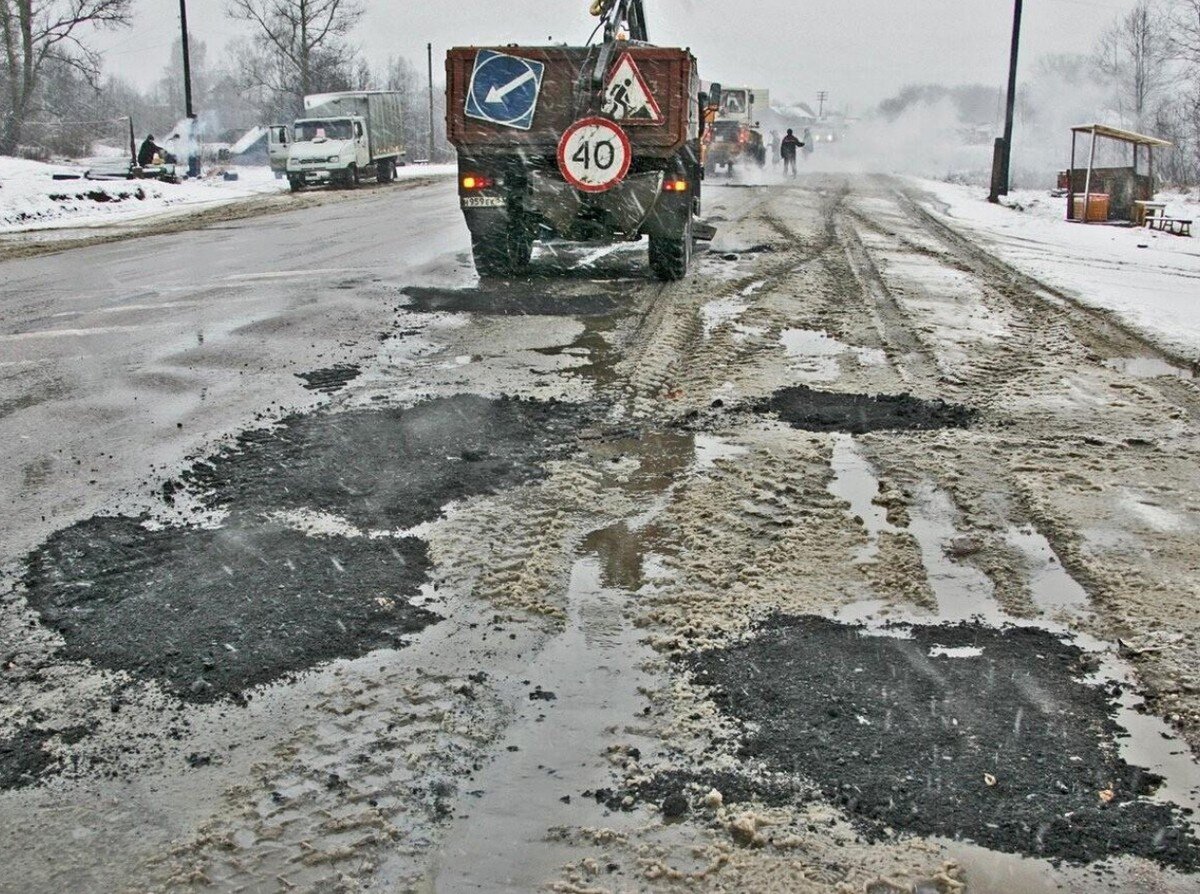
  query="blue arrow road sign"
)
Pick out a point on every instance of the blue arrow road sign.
point(504, 89)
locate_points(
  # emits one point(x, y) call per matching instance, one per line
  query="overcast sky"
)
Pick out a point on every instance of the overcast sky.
point(861, 51)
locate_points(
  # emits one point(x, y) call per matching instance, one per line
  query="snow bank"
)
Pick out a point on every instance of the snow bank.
point(1149, 279)
point(31, 199)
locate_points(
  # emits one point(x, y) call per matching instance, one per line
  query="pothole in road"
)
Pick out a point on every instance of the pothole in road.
point(213, 612)
point(806, 408)
point(516, 299)
point(392, 468)
point(209, 612)
point(967, 731)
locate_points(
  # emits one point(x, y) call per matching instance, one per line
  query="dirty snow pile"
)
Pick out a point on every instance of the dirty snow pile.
point(1146, 278)
point(30, 197)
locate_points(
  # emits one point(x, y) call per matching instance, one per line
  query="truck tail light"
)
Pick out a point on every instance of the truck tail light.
point(744, 136)
point(675, 185)
point(471, 182)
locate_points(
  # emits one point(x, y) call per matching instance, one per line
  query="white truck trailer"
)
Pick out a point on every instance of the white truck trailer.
point(344, 138)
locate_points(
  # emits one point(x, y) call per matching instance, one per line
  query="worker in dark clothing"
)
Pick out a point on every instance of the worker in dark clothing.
point(787, 150)
point(149, 149)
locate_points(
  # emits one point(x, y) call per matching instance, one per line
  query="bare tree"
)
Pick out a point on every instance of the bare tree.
point(1135, 53)
point(296, 43)
point(41, 33)
point(1185, 32)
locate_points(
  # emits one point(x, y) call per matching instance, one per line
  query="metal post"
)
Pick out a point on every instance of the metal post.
point(1071, 179)
point(187, 61)
point(193, 159)
point(132, 143)
point(1087, 183)
point(1005, 171)
point(429, 51)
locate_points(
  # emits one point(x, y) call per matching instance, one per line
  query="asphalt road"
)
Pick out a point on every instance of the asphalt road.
point(126, 357)
point(854, 562)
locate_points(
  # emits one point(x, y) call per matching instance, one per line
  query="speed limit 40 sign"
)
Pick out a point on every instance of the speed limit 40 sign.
point(594, 154)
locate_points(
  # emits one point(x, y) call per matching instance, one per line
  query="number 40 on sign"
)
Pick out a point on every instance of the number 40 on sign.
point(594, 154)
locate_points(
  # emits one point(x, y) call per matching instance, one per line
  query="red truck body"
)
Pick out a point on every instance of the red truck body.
point(512, 184)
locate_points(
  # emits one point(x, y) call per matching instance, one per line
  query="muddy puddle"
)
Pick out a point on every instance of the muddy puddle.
point(514, 300)
point(980, 743)
point(1149, 368)
point(818, 356)
point(811, 410)
point(573, 727)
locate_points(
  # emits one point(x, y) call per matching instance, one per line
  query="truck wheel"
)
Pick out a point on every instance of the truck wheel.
point(503, 246)
point(671, 254)
point(295, 183)
point(387, 173)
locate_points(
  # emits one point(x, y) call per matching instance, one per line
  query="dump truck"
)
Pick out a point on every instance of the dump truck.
point(588, 143)
point(346, 137)
point(735, 136)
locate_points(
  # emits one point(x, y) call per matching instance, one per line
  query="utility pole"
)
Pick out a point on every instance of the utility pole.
point(193, 161)
point(429, 51)
point(1002, 157)
point(822, 98)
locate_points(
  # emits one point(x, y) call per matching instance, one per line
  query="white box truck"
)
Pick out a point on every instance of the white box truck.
point(344, 138)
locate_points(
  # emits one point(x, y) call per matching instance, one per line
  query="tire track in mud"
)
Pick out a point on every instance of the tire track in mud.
point(1085, 447)
point(1097, 329)
point(672, 358)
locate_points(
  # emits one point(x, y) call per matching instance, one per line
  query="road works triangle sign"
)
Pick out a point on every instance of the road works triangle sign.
point(627, 98)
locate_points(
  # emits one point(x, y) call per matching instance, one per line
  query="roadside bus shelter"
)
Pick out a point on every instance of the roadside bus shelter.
point(1111, 193)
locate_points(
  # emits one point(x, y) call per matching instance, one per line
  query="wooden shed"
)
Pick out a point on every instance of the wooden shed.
point(1111, 193)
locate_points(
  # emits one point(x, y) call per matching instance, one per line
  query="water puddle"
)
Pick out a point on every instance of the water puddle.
point(855, 481)
point(582, 689)
point(1052, 588)
point(1148, 368)
point(720, 312)
point(963, 592)
point(817, 355)
point(711, 448)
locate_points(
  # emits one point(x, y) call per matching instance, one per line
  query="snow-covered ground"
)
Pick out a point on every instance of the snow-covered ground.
point(1150, 279)
point(31, 199)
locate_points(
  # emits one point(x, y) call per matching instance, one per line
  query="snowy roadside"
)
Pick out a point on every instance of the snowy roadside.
point(1151, 280)
point(32, 200)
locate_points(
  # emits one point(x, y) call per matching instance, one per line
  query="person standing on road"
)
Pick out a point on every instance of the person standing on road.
point(787, 151)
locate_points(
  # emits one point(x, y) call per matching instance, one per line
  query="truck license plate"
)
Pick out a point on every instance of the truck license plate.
point(483, 201)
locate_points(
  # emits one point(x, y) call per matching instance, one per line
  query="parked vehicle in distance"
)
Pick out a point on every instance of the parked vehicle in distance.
point(344, 138)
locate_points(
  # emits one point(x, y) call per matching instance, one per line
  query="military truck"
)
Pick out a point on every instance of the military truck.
point(587, 143)
point(345, 137)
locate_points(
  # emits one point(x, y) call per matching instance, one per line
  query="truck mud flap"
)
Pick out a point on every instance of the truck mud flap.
point(627, 204)
point(704, 232)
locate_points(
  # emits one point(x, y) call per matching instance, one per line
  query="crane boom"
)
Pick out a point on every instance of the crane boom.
point(627, 16)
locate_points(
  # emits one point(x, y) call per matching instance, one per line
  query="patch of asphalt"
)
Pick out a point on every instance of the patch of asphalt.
point(967, 732)
point(330, 379)
point(826, 411)
point(209, 612)
point(212, 612)
point(390, 468)
point(23, 758)
point(512, 299)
